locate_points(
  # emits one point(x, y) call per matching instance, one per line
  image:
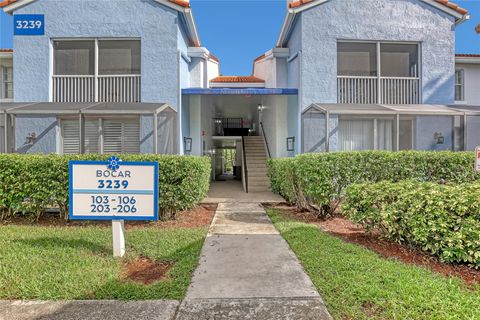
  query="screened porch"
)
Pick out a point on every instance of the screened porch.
point(355, 127)
point(77, 128)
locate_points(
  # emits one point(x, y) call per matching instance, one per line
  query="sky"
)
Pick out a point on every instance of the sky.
point(237, 31)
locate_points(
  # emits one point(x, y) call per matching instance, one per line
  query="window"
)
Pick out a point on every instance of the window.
point(365, 134)
point(97, 70)
point(357, 59)
point(118, 135)
point(378, 72)
point(74, 57)
point(459, 85)
point(399, 60)
point(6, 81)
point(118, 57)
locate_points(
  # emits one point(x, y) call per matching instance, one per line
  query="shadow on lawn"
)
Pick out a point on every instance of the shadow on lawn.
point(58, 242)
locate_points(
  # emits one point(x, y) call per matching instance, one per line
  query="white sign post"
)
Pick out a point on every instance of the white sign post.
point(477, 159)
point(113, 190)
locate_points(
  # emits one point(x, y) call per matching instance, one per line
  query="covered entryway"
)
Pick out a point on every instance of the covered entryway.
point(252, 124)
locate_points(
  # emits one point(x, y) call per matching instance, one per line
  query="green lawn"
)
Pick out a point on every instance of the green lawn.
point(76, 262)
point(356, 283)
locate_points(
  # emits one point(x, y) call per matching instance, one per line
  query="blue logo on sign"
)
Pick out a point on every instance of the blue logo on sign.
point(29, 25)
point(114, 163)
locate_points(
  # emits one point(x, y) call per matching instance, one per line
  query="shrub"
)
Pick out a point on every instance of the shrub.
point(443, 220)
point(318, 181)
point(30, 184)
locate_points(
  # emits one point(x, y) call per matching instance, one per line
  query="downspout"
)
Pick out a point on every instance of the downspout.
point(300, 102)
point(179, 105)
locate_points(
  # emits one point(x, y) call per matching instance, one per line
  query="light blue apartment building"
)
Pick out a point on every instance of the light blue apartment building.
point(131, 76)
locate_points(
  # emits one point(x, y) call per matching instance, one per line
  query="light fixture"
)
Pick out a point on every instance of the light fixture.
point(439, 138)
point(187, 144)
point(291, 144)
point(260, 107)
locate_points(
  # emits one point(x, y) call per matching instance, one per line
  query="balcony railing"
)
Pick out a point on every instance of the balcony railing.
point(116, 88)
point(374, 90)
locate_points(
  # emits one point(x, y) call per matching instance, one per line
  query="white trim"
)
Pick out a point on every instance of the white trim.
point(6, 55)
point(187, 13)
point(446, 9)
point(237, 84)
point(16, 5)
point(467, 60)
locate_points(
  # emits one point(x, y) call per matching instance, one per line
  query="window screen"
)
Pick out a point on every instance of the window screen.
point(356, 59)
point(399, 60)
point(119, 57)
point(74, 57)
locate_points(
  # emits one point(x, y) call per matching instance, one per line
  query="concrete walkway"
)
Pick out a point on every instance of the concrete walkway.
point(247, 271)
point(232, 191)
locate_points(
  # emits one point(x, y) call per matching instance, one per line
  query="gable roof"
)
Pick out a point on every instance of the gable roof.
point(297, 6)
point(182, 6)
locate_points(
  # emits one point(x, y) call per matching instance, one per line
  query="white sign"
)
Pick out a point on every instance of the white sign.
point(477, 159)
point(113, 190)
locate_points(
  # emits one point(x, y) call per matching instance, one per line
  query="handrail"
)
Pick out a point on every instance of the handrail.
point(245, 169)
point(244, 160)
point(265, 139)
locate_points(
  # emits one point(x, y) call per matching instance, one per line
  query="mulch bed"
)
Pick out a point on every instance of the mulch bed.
point(145, 271)
point(354, 233)
point(200, 216)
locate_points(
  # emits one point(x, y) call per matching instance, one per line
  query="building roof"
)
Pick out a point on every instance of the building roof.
point(297, 6)
point(90, 108)
point(377, 109)
point(449, 4)
point(467, 55)
point(182, 6)
point(237, 79)
point(6, 50)
point(182, 3)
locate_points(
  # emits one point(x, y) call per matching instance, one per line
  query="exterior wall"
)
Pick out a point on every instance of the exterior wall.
point(274, 117)
point(294, 61)
point(45, 130)
point(386, 20)
point(473, 128)
point(427, 126)
point(472, 83)
point(155, 25)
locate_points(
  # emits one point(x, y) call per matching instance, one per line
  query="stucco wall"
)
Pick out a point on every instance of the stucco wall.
point(147, 20)
point(427, 126)
point(388, 20)
point(44, 129)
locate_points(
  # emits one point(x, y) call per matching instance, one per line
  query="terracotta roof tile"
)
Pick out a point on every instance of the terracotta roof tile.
point(214, 58)
point(451, 5)
point(467, 55)
point(237, 79)
point(6, 50)
point(5, 3)
point(183, 3)
point(259, 58)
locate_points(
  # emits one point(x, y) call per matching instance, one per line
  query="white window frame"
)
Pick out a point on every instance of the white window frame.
point(3, 92)
point(461, 85)
point(96, 57)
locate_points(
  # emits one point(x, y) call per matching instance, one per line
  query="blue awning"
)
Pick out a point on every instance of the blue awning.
point(240, 91)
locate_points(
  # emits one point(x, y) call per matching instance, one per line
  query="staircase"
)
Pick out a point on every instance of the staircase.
point(256, 158)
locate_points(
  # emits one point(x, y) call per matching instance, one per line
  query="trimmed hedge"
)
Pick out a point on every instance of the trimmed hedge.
point(30, 184)
point(443, 220)
point(318, 181)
